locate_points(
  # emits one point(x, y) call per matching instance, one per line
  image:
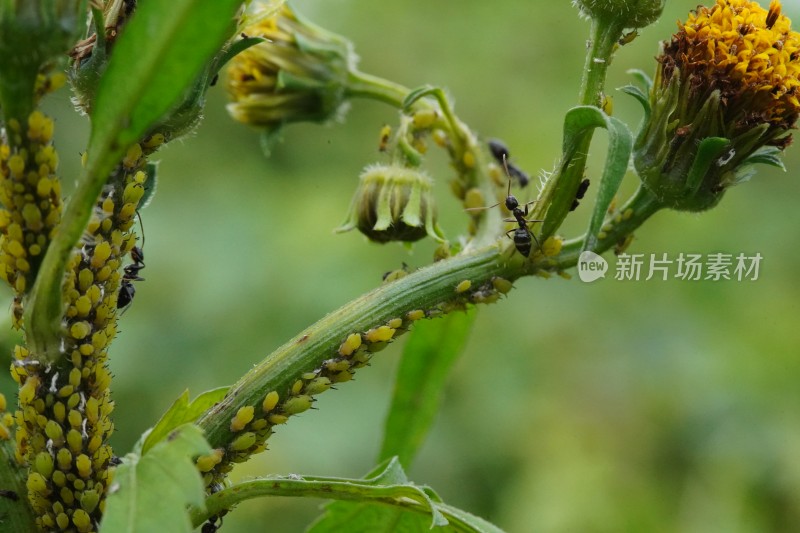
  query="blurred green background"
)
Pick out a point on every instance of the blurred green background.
point(616, 406)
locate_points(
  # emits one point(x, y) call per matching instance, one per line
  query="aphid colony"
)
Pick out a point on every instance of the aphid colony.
point(253, 424)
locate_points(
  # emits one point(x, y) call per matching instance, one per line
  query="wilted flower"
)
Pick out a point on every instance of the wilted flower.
point(393, 203)
point(724, 97)
point(298, 73)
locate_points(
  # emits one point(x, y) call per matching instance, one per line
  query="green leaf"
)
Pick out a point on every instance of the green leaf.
point(620, 143)
point(152, 492)
point(182, 411)
point(160, 54)
point(428, 356)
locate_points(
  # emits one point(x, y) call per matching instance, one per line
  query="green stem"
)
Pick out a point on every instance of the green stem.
point(363, 85)
point(559, 191)
point(397, 496)
point(423, 289)
point(640, 207)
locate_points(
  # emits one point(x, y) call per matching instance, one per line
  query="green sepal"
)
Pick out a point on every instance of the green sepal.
point(231, 51)
point(767, 155)
point(708, 153)
point(150, 184)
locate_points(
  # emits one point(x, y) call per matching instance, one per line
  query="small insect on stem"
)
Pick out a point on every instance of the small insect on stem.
point(581, 192)
point(523, 236)
point(131, 273)
point(500, 154)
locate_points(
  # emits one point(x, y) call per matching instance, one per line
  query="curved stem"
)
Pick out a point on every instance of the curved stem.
point(365, 85)
point(423, 289)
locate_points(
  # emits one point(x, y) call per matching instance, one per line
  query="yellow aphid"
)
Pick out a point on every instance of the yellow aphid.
point(385, 135)
point(84, 466)
point(101, 254)
point(416, 314)
point(468, 159)
point(155, 140)
point(37, 484)
point(53, 431)
point(424, 118)
point(79, 330)
point(439, 137)
point(16, 165)
point(132, 157)
point(297, 386)
point(206, 463)
point(379, 334)
point(270, 401)
point(552, 246)
point(351, 344)
point(74, 440)
point(395, 323)
point(297, 404)
point(74, 417)
point(64, 459)
point(501, 285)
point(341, 377)
point(44, 464)
point(243, 417)
point(317, 386)
point(243, 442)
point(463, 286)
point(28, 390)
point(337, 365)
point(82, 521)
point(473, 199)
point(277, 419)
point(89, 500)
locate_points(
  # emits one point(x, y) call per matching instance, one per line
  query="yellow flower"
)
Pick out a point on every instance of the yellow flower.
point(724, 98)
point(749, 54)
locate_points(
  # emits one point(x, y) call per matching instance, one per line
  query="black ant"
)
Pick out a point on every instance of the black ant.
point(127, 291)
point(522, 234)
point(583, 186)
point(500, 153)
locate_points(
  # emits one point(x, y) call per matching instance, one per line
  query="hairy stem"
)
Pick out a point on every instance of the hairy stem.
point(559, 191)
point(424, 289)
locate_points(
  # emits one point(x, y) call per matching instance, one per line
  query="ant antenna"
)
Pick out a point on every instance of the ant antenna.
point(141, 225)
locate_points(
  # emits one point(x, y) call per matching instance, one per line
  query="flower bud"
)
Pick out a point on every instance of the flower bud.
point(629, 13)
point(393, 203)
point(297, 74)
point(724, 97)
